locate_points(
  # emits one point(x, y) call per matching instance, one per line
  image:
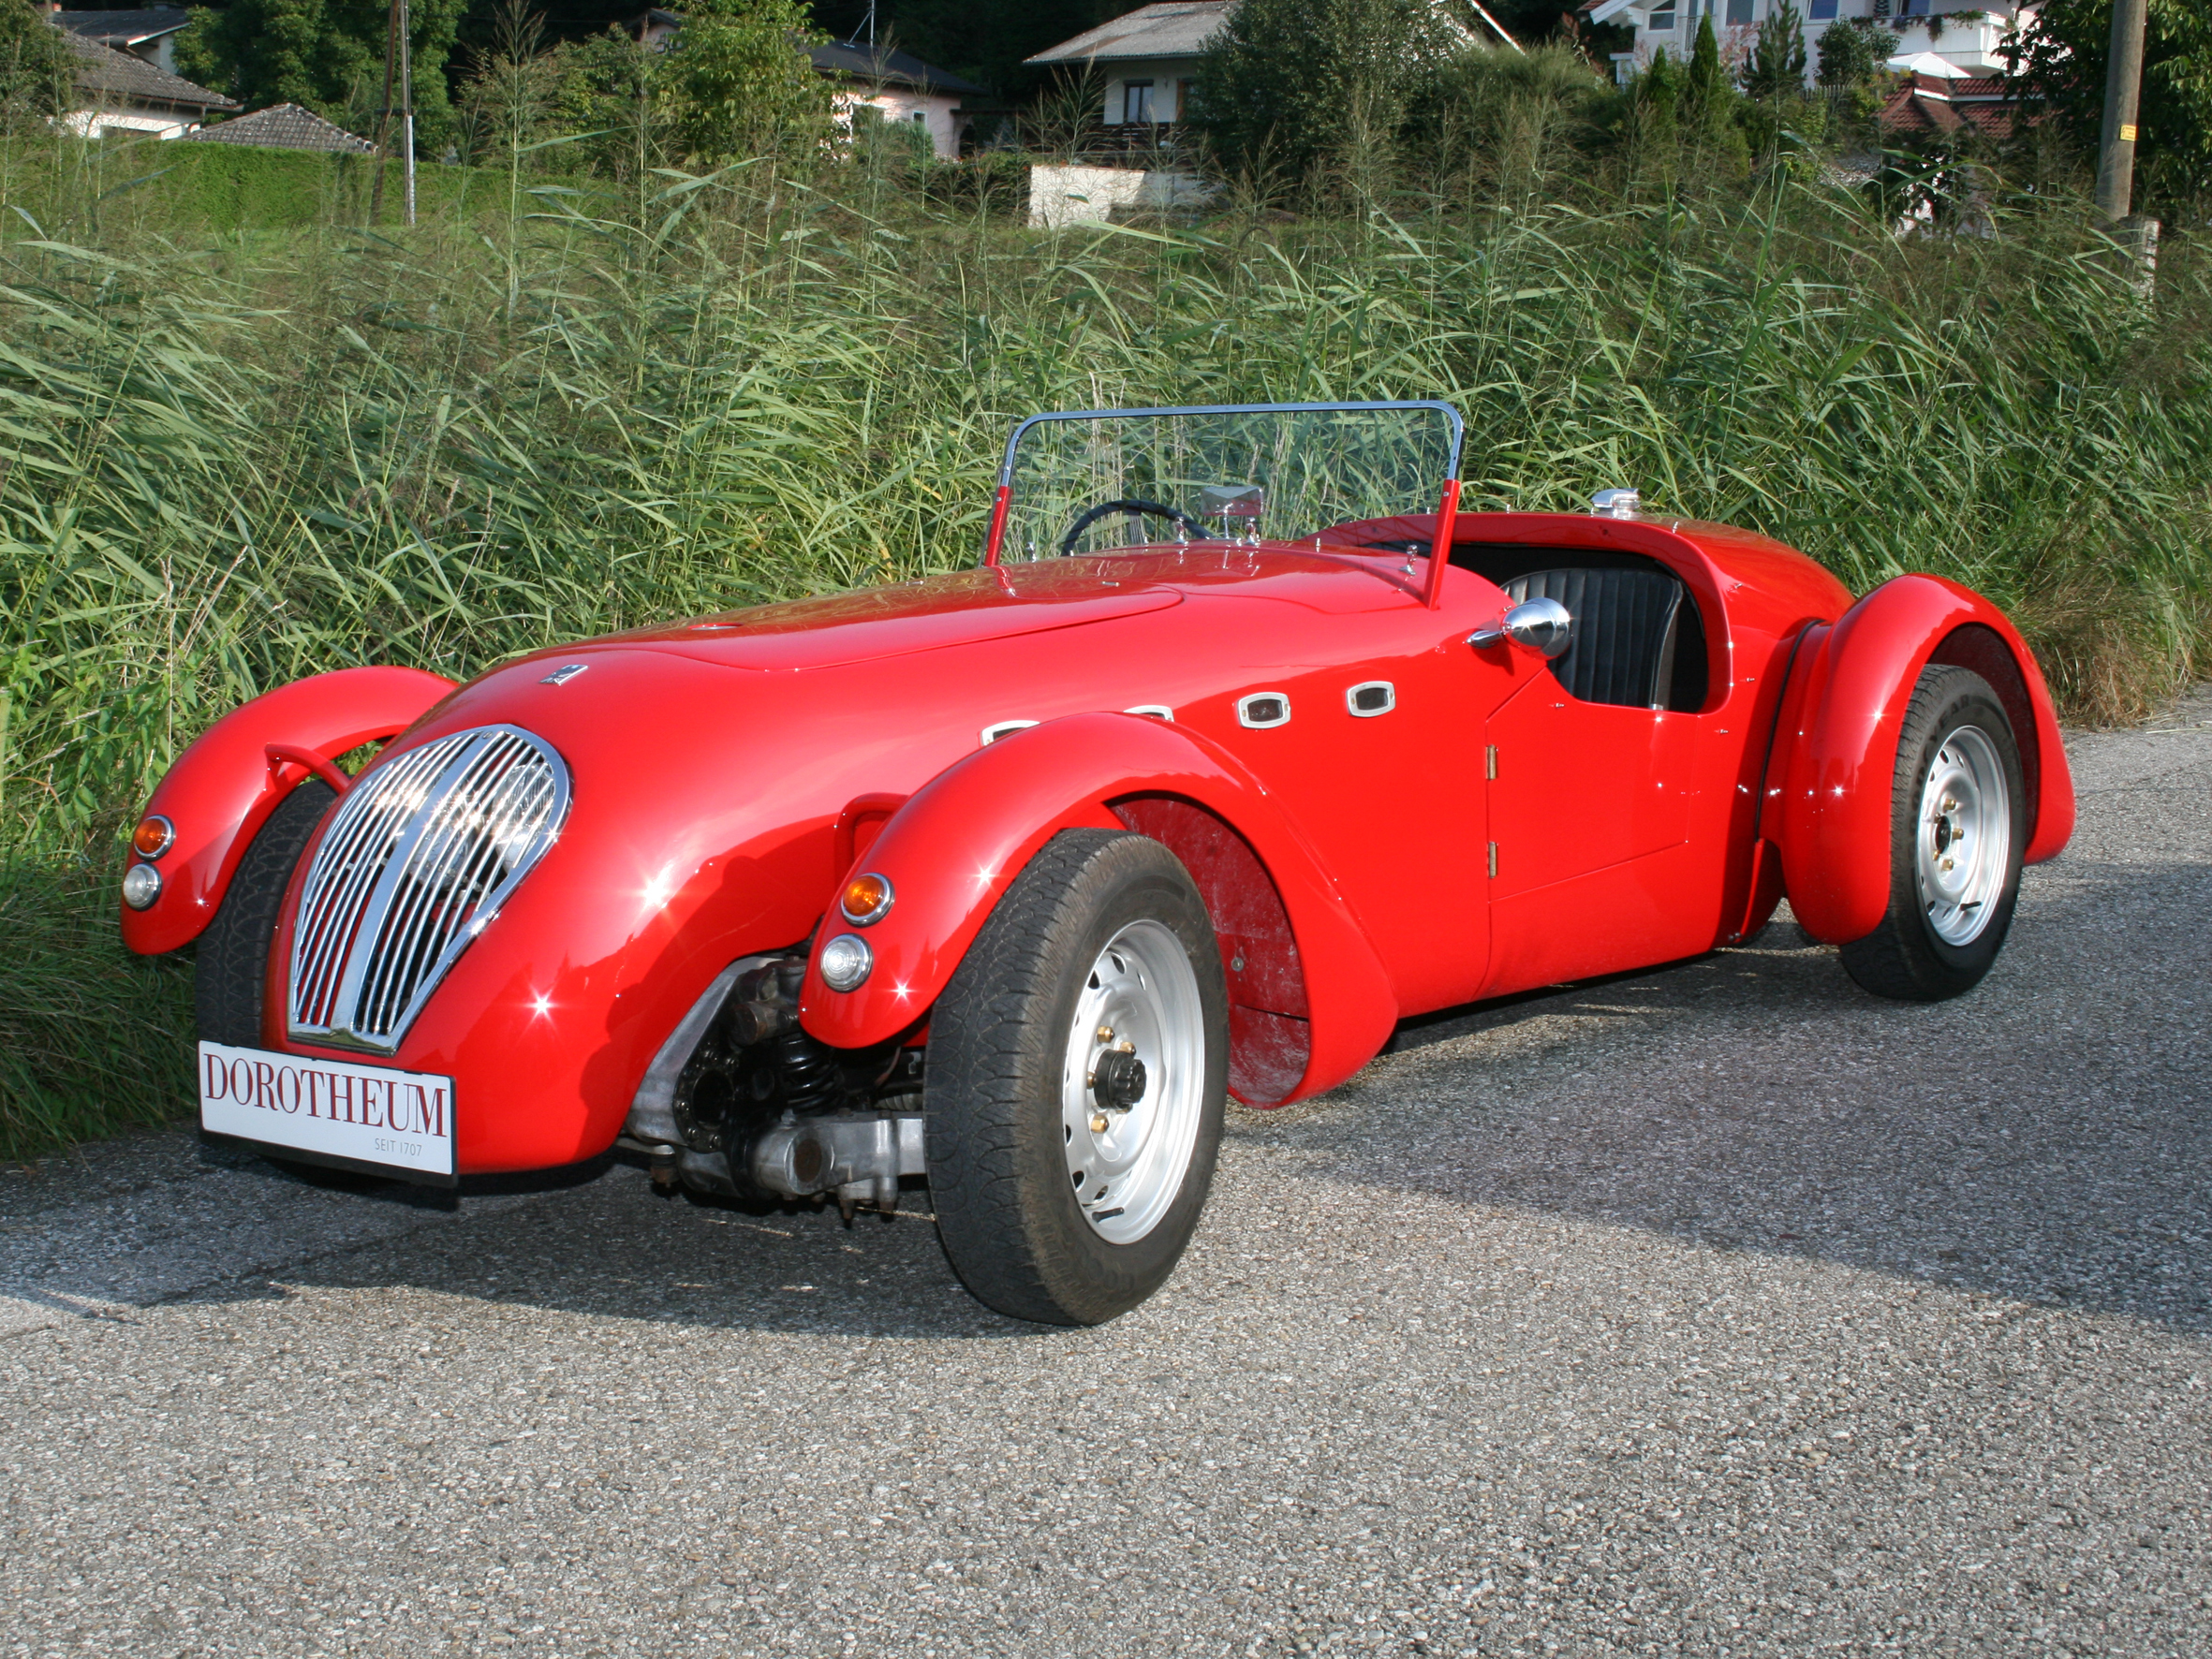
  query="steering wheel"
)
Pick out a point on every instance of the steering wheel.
point(1092, 515)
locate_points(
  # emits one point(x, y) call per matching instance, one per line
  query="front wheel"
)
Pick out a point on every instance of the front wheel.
point(1958, 833)
point(1077, 1064)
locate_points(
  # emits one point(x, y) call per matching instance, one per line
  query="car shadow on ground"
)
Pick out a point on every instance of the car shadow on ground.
point(2044, 1138)
point(603, 1242)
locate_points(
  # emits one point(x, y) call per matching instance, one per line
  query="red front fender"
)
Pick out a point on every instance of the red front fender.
point(1837, 755)
point(954, 849)
point(222, 789)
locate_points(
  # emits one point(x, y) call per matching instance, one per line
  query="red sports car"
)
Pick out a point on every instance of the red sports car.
point(1239, 747)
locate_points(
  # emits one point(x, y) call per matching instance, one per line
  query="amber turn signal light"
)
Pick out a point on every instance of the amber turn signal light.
point(154, 836)
point(865, 899)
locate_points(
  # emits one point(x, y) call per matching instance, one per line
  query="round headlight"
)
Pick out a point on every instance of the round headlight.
point(846, 962)
point(142, 885)
point(154, 836)
point(866, 898)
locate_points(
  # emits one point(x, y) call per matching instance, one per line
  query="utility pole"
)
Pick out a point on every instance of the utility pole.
point(384, 111)
point(2115, 153)
point(2123, 93)
point(408, 105)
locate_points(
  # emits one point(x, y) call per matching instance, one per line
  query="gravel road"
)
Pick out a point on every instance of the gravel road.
point(1715, 1310)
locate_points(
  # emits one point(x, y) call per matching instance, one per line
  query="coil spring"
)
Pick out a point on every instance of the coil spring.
point(806, 1071)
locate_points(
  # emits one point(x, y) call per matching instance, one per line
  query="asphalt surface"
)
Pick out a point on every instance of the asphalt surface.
point(1717, 1311)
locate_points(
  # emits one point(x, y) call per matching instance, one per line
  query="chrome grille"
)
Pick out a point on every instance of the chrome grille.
point(422, 852)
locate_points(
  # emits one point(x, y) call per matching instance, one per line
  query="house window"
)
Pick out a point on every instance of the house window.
point(1739, 12)
point(1824, 10)
point(1185, 91)
point(1912, 8)
point(1136, 101)
point(1662, 23)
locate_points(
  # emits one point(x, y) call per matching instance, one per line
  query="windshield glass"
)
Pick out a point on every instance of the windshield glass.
point(1094, 481)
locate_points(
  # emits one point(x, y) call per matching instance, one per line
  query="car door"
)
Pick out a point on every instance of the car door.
point(1588, 807)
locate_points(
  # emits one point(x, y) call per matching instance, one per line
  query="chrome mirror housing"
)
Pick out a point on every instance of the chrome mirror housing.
point(1544, 626)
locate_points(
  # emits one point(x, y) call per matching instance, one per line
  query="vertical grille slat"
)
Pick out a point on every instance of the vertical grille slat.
point(422, 853)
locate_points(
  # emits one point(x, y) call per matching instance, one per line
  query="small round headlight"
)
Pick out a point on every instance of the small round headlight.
point(846, 962)
point(142, 885)
point(866, 898)
point(154, 836)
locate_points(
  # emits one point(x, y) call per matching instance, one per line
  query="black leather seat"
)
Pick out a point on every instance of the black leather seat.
point(1627, 626)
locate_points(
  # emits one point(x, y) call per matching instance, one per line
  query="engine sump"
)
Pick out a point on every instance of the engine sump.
point(760, 1109)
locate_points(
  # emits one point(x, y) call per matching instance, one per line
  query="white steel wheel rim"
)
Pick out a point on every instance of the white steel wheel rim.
point(1125, 1164)
point(1965, 836)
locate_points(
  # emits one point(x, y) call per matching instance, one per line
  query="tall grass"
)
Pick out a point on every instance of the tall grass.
point(228, 461)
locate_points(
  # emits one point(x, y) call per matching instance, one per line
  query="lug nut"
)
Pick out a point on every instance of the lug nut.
point(1950, 863)
point(1097, 1122)
point(1105, 1033)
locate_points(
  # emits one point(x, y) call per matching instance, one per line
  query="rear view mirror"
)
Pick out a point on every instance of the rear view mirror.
point(1232, 501)
point(1544, 626)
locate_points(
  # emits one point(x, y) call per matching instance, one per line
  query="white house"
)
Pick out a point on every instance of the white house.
point(1147, 58)
point(125, 91)
point(899, 87)
point(1969, 41)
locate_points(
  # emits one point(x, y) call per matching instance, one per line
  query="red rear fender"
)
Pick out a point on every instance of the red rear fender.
point(1310, 1003)
point(1836, 754)
point(223, 787)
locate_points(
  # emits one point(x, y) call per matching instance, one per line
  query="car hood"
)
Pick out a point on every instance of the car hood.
point(964, 608)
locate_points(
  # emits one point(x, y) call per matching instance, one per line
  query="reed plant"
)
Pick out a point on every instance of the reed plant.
point(228, 461)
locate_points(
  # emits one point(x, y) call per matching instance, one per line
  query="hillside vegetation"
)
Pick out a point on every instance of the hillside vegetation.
point(235, 455)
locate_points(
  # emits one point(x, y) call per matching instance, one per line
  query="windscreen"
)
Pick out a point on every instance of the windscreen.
point(1091, 482)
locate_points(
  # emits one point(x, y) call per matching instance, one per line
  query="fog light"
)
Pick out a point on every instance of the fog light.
point(866, 898)
point(142, 885)
point(846, 960)
point(154, 836)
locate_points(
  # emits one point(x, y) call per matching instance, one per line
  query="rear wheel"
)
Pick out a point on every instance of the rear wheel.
point(1958, 833)
point(1078, 1064)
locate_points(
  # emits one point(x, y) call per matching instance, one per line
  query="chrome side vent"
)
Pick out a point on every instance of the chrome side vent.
point(418, 860)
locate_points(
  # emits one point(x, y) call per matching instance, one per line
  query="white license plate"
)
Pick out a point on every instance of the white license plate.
point(367, 1114)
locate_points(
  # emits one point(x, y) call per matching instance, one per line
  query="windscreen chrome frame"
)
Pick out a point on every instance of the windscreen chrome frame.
point(1447, 508)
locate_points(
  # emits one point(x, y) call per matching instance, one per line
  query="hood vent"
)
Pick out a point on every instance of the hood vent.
point(416, 861)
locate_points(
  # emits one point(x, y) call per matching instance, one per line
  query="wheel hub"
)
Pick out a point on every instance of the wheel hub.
point(1119, 1080)
point(1133, 1081)
point(1965, 836)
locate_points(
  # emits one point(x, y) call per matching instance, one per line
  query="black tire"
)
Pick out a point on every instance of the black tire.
point(230, 971)
point(232, 964)
point(1906, 957)
point(999, 1167)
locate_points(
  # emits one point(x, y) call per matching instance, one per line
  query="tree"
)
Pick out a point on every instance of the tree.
point(1708, 97)
point(741, 81)
point(325, 54)
point(1776, 68)
point(38, 68)
point(1851, 53)
point(2057, 63)
point(1288, 83)
point(615, 93)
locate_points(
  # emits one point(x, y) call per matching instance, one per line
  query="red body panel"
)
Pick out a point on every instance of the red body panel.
point(1834, 763)
point(987, 816)
point(728, 773)
point(223, 788)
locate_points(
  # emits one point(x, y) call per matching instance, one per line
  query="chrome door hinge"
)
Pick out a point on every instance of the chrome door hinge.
point(1490, 762)
point(1493, 861)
